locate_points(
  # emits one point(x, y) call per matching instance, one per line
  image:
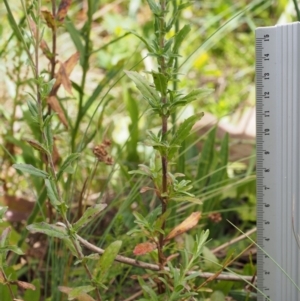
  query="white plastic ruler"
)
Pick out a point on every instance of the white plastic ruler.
point(278, 160)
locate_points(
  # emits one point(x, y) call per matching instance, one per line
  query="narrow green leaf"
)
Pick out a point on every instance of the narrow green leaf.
point(144, 86)
point(184, 5)
point(195, 94)
point(89, 215)
point(31, 170)
point(154, 7)
point(187, 199)
point(76, 292)
point(149, 48)
point(76, 37)
point(13, 22)
point(179, 37)
point(183, 131)
point(69, 160)
point(2, 212)
point(52, 192)
point(49, 229)
point(11, 248)
point(223, 160)
point(107, 259)
point(4, 237)
point(206, 159)
point(49, 136)
point(160, 81)
point(219, 296)
point(71, 246)
point(32, 106)
point(218, 175)
point(3, 243)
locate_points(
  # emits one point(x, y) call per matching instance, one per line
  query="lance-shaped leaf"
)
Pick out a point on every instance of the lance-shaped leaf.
point(2, 212)
point(194, 95)
point(186, 225)
point(144, 248)
point(69, 160)
point(3, 243)
point(49, 19)
point(149, 48)
point(4, 237)
point(65, 81)
point(183, 131)
point(89, 215)
point(63, 10)
point(107, 259)
point(79, 293)
point(70, 245)
point(65, 71)
point(23, 285)
point(33, 109)
point(154, 7)
point(11, 248)
point(160, 81)
point(52, 193)
point(179, 37)
point(56, 107)
point(186, 198)
point(144, 86)
point(49, 229)
point(31, 170)
point(38, 146)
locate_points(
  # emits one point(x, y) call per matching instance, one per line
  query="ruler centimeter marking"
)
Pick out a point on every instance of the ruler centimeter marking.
point(278, 161)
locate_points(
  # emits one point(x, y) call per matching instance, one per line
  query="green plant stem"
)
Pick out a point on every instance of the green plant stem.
point(49, 156)
point(164, 129)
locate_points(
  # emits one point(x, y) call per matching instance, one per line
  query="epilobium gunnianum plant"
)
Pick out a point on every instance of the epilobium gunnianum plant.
point(156, 89)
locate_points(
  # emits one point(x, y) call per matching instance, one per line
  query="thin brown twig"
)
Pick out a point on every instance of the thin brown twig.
point(155, 267)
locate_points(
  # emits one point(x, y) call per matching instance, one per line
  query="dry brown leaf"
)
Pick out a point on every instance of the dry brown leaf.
point(2, 280)
point(25, 285)
point(145, 188)
point(186, 225)
point(65, 81)
point(63, 9)
point(56, 107)
point(64, 71)
point(144, 248)
point(49, 19)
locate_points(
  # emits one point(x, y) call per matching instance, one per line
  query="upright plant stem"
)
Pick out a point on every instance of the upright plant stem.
point(164, 129)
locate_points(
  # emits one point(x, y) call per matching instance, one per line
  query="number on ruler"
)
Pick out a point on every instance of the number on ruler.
point(267, 95)
point(266, 75)
point(266, 57)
